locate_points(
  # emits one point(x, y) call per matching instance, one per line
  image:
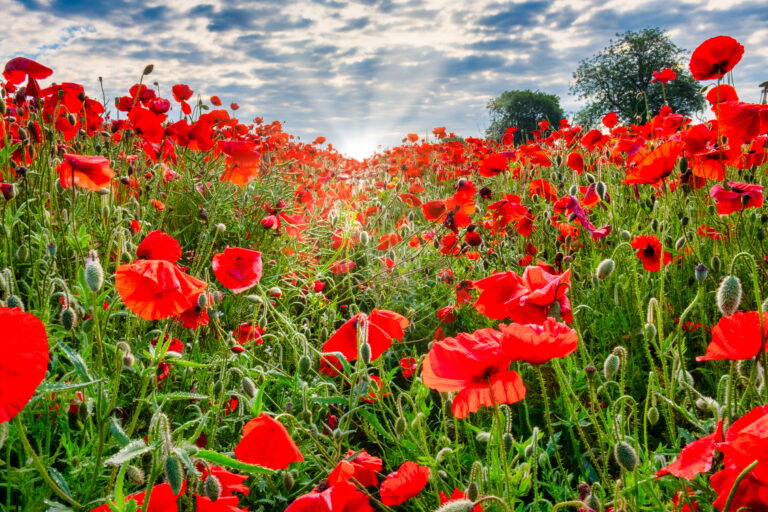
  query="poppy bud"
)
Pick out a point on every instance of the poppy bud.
point(221, 228)
point(685, 220)
point(128, 360)
point(652, 415)
point(611, 366)
point(625, 235)
point(461, 505)
point(590, 371)
point(508, 440)
point(473, 491)
point(256, 299)
point(135, 475)
point(729, 295)
point(275, 291)
point(14, 301)
point(650, 330)
point(364, 237)
point(714, 263)
point(3, 108)
point(288, 480)
point(685, 377)
point(148, 71)
point(605, 268)
point(700, 272)
point(249, 388)
point(593, 502)
point(94, 274)
point(573, 190)
point(174, 474)
point(212, 487)
point(626, 456)
point(601, 189)
point(483, 437)
point(304, 364)
point(365, 353)
point(3, 433)
point(218, 388)
point(68, 318)
point(401, 425)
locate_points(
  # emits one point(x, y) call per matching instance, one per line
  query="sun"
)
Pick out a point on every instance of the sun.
point(358, 147)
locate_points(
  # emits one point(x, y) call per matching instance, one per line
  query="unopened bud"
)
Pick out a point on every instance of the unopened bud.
point(148, 71)
point(611, 366)
point(212, 487)
point(94, 274)
point(174, 474)
point(473, 491)
point(68, 318)
point(626, 456)
point(652, 415)
point(729, 295)
point(14, 301)
point(288, 480)
point(135, 475)
point(249, 388)
point(365, 353)
point(601, 190)
point(605, 268)
point(700, 272)
point(401, 425)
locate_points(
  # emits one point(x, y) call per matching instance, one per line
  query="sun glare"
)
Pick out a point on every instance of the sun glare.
point(358, 147)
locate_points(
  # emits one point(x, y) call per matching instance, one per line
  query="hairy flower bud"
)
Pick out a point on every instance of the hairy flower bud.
point(174, 473)
point(212, 487)
point(94, 274)
point(729, 295)
point(626, 456)
point(68, 318)
point(611, 366)
point(605, 268)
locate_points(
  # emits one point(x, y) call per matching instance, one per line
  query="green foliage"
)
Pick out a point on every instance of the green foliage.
point(523, 110)
point(618, 79)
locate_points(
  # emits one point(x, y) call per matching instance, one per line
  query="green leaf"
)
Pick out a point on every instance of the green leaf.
point(181, 395)
point(128, 452)
point(229, 462)
point(48, 387)
point(77, 361)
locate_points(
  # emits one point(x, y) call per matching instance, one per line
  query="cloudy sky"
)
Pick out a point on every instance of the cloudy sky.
point(360, 72)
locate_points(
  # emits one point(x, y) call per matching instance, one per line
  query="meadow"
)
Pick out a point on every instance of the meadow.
point(205, 313)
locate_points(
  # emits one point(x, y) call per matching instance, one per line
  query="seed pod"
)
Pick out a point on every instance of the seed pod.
point(729, 295)
point(605, 268)
point(94, 274)
point(652, 415)
point(148, 71)
point(135, 475)
point(626, 456)
point(700, 272)
point(365, 353)
point(174, 474)
point(212, 487)
point(68, 318)
point(249, 388)
point(611, 366)
point(473, 491)
point(714, 262)
point(14, 301)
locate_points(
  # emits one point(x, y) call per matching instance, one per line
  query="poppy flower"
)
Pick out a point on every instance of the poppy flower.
point(408, 481)
point(664, 76)
point(715, 57)
point(243, 160)
point(246, 332)
point(342, 266)
point(230, 482)
point(696, 457)
point(155, 289)
point(360, 466)
point(19, 68)
point(741, 122)
point(475, 365)
point(89, 172)
point(158, 245)
point(722, 93)
point(222, 504)
point(267, 443)
point(649, 251)
point(457, 494)
point(389, 240)
point(737, 337)
point(408, 365)
point(24, 361)
point(740, 197)
point(161, 499)
point(342, 497)
point(651, 165)
point(381, 327)
point(576, 162)
point(525, 299)
point(237, 269)
point(610, 120)
point(538, 344)
point(493, 165)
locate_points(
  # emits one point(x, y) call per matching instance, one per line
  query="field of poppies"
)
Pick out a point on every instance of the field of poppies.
point(203, 313)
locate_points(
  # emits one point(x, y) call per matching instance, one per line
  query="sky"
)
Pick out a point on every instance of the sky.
point(361, 73)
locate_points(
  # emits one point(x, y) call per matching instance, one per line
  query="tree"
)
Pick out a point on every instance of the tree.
point(618, 79)
point(523, 110)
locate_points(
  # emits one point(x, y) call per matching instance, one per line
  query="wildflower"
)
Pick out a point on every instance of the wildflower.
point(408, 481)
point(740, 197)
point(737, 337)
point(538, 344)
point(381, 327)
point(715, 57)
point(89, 172)
point(237, 269)
point(267, 443)
point(650, 252)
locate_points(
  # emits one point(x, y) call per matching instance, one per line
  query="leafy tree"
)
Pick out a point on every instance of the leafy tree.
point(523, 110)
point(618, 79)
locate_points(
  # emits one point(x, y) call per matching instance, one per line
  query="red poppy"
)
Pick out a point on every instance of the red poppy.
point(538, 344)
point(194, 317)
point(408, 481)
point(222, 504)
point(715, 57)
point(158, 245)
point(649, 251)
point(389, 240)
point(576, 162)
point(246, 332)
point(267, 443)
point(381, 326)
point(243, 160)
point(89, 172)
point(651, 165)
point(696, 457)
point(454, 212)
point(342, 266)
point(230, 482)
point(19, 68)
point(24, 361)
point(361, 466)
point(664, 76)
point(525, 299)
point(161, 499)
point(474, 365)
point(494, 165)
point(155, 289)
point(457, 494)
point(740, 197)
point(737, 337)
point(342, 497)
point(722, 93)
point(408, 365)
point(610, 120)
point(237, 269)
point(741, 122)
